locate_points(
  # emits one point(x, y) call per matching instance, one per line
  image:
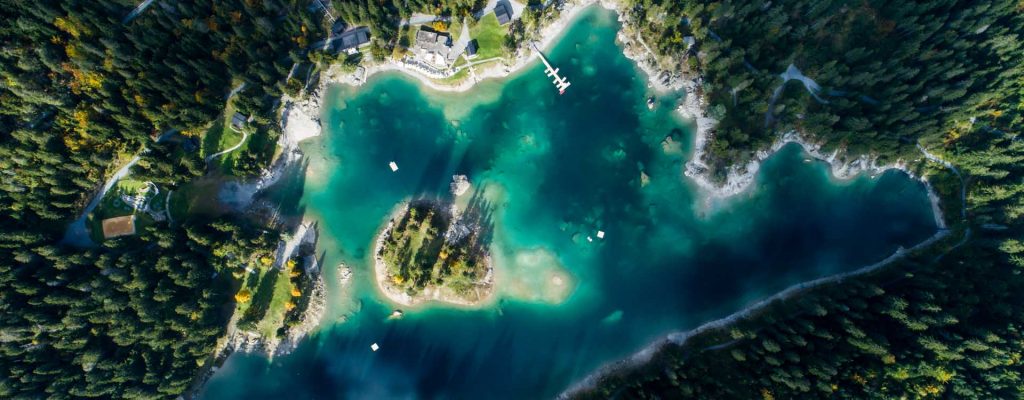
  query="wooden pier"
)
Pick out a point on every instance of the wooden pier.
point(552, 72)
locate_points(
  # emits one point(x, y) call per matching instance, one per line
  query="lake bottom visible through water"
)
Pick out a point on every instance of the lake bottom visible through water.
point(555, 170)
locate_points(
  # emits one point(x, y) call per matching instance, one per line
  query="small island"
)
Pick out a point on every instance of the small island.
point(430, 250)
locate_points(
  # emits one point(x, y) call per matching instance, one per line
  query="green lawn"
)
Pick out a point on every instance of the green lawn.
point(276, 311)
point(455, 29)
point(265, 312)
point(490, 37)
point(220, 136)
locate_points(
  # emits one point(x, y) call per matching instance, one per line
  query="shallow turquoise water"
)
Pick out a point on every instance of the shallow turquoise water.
point(557, 169)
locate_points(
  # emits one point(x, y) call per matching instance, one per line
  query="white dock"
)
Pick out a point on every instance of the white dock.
point(552, 72)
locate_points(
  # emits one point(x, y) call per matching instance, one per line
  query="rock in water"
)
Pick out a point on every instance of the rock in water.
point(460, 184)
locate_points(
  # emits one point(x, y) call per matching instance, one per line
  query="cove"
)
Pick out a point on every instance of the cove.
point(555, 169)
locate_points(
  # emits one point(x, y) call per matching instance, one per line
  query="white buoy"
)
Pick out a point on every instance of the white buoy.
point(394, 167)
point(590, 239)
point(374, 347)
point(600, 234)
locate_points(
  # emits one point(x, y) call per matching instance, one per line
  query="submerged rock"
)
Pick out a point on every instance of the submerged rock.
point(460, 184)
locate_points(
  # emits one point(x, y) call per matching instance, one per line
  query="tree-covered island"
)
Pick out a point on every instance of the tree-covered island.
point(432, 251)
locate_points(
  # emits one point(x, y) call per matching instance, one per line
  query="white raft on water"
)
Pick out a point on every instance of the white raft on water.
point(394, 167)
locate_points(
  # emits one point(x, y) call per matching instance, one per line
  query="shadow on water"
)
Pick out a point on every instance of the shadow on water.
point(565, 167)
point(284, 199)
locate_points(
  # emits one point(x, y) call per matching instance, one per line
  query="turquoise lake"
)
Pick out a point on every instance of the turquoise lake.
point(555, 169)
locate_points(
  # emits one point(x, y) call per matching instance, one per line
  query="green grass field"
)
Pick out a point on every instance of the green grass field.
point(271, 291)
point(219, 137)
point(490, 37)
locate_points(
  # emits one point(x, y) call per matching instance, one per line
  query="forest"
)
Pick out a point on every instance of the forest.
point(945, 322)
point(428, 247)
point(87, 85)
point(889, 74)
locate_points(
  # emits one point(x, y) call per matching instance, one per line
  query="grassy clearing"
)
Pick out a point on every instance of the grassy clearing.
point(270, 294)
point(112, 205)
point(219, 137)
point(490, 37)
point(196, 198)
point(276, 310)
point(455, 29)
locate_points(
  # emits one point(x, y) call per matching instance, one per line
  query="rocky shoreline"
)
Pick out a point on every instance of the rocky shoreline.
point(739, 178)
point(429, 293)
point(682, 337)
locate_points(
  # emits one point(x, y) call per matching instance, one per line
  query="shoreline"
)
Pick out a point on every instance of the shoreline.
point(430, 294)
point(739, 182)
point(301, 117)
point(548, 35)
point(680, 338)
point(739, 179)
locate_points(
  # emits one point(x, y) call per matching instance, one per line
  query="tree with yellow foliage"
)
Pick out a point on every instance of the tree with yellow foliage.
point(243, 296)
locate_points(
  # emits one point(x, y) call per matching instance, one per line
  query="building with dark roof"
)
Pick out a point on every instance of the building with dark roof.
point(238, 121)
point(501, 11)
point(351, 40)
point(471, 49)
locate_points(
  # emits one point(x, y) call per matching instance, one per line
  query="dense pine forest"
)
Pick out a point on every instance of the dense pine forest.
point(945, 322)
point(86, 86)
point(890, 74)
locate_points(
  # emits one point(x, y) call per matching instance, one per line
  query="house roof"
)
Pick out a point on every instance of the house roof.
point(119, 226)
point(502, 13)
point(433, 42)
point(355, 38)
point(471, 48)
point(238, 120)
